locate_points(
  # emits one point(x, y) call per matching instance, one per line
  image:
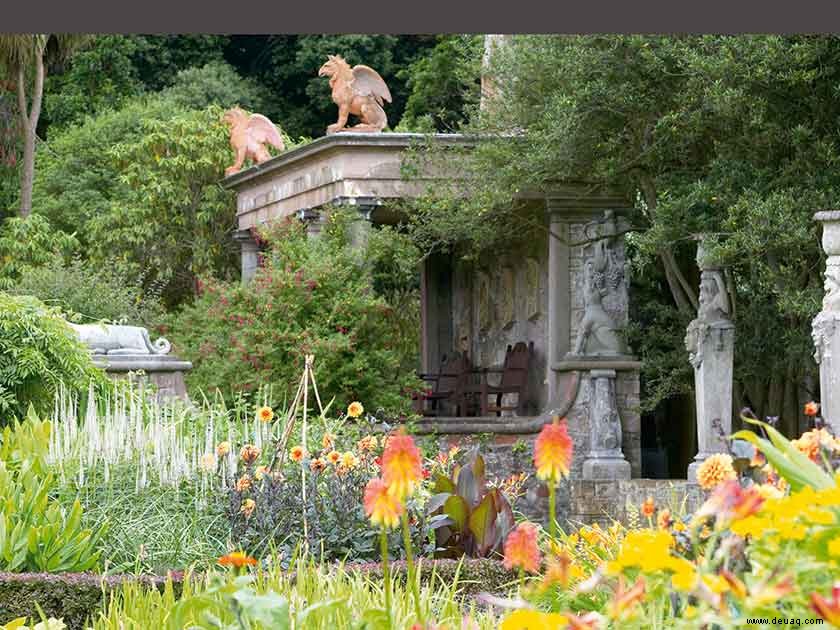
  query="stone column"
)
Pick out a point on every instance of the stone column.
point(605, 459)
point(360, 228)
point(710, 341)
point(250, 252)
point(825, 330)
point(558, 299)
point(314, 222)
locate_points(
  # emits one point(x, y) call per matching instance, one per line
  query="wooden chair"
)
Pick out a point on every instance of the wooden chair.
point(514, 381)
point(447, 386)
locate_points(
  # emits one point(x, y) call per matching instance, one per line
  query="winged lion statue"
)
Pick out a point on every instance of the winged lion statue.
point(248, 136)
point(359, 91)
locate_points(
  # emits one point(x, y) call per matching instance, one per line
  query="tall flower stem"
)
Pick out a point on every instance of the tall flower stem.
point(386, 574)
point(552, 511)
point(409, 558)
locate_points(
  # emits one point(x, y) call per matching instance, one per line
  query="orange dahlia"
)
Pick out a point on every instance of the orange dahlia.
point(237, 559)
point(381, 508)
point(249, 453)
point(265, 414)
point(664, 519)
point(715, 470)
point(297, 453)
point(367, 443)
point(553, 451)
point(521, 549)
point(328, 441)
point(243, 483)
point(317, 464)
point(402, 466)
point(355, 409)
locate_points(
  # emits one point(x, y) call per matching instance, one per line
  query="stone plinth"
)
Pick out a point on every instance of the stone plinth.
point(825, 329)
point(604, 459)
point(164, 372)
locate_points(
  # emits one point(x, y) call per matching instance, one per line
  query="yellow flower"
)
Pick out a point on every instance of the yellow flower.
point(834, 547)
point(355, 409)
point(349, 460)
point(367, 443)
point(684, 580)
point(247, 507)
point(714, 470)
point(265, 414)
point(223, 449)
point(527, 619)
point(716, 583)
point(690, 612)
point(260, 472)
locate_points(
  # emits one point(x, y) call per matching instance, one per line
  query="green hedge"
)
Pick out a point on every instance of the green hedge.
point(75, 597)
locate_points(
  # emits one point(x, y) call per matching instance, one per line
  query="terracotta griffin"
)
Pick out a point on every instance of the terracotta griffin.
point(248, 136)
point(359, 91)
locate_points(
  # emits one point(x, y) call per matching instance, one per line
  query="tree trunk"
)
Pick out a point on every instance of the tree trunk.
point(29, 122)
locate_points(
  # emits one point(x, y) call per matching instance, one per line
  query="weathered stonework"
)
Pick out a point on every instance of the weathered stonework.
point(825, 329)
point(165, 373)
point(710, 341)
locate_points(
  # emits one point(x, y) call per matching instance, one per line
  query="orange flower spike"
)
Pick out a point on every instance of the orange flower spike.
point(828, 609)
point(589, 621)
point(381, 508)
point(237, 559)
point(811, 408)
point(648, 508)
point(521, 549)
point(553, 452)
point(402, 465)
point(623, 600)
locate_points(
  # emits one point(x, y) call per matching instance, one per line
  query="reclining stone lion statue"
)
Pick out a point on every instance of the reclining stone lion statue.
point(359, 91)
point(119, 340)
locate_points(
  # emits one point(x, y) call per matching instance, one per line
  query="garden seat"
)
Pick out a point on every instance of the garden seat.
point(448, 387)
point(514, 380)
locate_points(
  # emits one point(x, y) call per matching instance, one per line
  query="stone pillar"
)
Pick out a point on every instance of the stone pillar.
point(558, 299)
point(360, 228)
point(710, 341)
point(250, 252)
point(605, 459)
point(825, 330)
point(314, 222)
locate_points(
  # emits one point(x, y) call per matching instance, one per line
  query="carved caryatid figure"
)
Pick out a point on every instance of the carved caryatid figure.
point(248, 136)
point(359, 91)
point(712, 313)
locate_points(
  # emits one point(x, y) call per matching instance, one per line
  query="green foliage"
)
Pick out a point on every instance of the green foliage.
point(30, 242)
point(311, 297)
point(215, 83)
point(443, 84)
point(37, 533)
point(141, 185)
point(100, 77)
point(38, 354)
point(88, 291)
point(468, 517)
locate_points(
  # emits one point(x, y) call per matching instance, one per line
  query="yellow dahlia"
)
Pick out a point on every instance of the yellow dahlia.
point(223, 449)
point(265, 414)
point(355, 409)
point(247, 507)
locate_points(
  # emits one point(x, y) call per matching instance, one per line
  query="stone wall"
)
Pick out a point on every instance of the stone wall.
point(499, 302)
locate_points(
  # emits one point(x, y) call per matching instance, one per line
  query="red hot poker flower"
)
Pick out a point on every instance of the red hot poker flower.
point(521, 549)
point(828, 609)
point(553, 452)
point(401, 465)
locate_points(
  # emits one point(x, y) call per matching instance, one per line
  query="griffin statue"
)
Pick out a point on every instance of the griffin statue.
point(248, 137)
point(359, 91)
